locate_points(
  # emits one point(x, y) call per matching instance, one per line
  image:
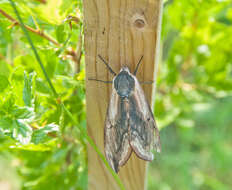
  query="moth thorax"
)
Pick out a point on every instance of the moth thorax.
point(124, 84)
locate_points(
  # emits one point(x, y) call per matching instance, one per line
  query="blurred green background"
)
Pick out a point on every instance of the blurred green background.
point(40, 147)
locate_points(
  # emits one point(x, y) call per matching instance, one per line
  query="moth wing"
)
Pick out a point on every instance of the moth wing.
point(116, 136)
point(142, 125)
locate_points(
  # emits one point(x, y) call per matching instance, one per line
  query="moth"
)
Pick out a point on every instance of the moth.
point(129, 122)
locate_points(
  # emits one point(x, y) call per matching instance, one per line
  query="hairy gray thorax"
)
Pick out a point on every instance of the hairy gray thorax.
point(124, 84)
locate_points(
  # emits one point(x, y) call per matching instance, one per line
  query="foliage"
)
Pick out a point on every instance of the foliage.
point(193, 102)
point(36, 135)
point(40, 147)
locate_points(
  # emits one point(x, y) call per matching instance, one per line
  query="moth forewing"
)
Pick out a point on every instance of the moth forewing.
point(142, 124)
point(148, 115)
point(113, 107)
point(141, 99)
point(116, 137)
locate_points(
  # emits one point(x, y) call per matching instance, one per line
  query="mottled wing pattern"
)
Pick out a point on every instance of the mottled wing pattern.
point(116, 136)
point(142, 125)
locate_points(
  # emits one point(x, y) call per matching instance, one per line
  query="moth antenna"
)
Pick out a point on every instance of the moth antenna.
point(111, 70)
point(100, 80)
point(137, 66)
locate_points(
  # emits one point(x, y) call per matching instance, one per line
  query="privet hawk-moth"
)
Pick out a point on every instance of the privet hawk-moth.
point(129, 122)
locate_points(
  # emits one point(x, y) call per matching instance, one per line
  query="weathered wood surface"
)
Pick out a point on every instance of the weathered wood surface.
point(121, 31)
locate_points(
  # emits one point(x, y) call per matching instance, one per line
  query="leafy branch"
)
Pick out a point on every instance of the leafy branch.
point(74, 54)
point(35, 31)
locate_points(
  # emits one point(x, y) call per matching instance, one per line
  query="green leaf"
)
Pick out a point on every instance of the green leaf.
point(32, 147)
point(40, 135)
point(4, 68)
point(60, 33)
point(23, 113)
point(3, 83)
point(42, 86)
point(6, 123)
point(22, 132)
point(27, 89)
point(7, 105)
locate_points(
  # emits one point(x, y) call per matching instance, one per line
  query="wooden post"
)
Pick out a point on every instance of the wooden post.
point(121, 31)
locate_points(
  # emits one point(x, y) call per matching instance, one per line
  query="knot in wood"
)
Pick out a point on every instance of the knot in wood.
point(139, 23)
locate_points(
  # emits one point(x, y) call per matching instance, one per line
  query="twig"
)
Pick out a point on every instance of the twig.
point(36, 31)
point(1, 56)
point(79, 52)
point(76, 54)
point(72, 18)
point(41, 1)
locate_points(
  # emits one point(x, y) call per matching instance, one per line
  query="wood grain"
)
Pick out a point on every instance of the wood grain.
point(121, 31)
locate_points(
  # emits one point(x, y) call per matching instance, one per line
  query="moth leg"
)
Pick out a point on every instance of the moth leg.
point(100, 80)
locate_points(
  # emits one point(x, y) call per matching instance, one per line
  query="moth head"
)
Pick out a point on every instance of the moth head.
point(124, 83)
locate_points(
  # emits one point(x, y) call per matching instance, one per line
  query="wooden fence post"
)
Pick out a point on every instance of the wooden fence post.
point(121, 31)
